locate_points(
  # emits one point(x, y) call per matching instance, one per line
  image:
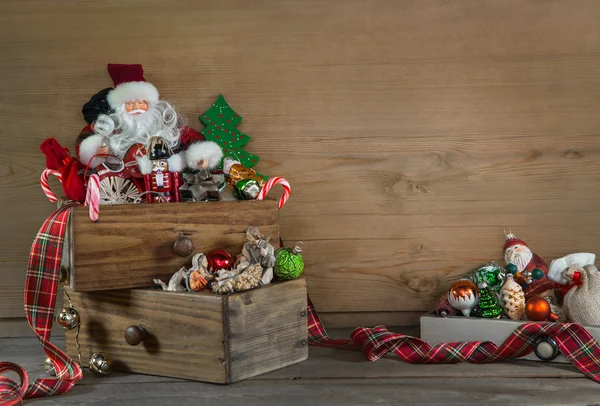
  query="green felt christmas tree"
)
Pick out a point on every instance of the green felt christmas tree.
point(489, 306)
point(221, 127)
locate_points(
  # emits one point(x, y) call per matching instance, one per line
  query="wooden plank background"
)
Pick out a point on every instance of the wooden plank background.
point(413, 132)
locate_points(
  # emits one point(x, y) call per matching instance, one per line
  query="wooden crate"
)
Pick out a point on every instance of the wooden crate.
point(436, 329)
point(130, 245)
point(198, 336)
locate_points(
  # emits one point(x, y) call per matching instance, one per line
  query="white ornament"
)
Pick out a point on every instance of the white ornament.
point(512, 298)
point(463, 296)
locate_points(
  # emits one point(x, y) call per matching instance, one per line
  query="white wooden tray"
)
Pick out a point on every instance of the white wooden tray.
point(436, 329)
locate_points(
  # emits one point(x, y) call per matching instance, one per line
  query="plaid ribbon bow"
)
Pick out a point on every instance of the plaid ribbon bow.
point(40, 297)
point(573, 341)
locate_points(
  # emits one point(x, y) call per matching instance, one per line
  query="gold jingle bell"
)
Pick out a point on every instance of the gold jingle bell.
point(100, 364)
point(68, 318)
point(49, 367)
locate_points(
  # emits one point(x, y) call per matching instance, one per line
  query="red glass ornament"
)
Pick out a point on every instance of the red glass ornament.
point(538, 309)
point(219, 259)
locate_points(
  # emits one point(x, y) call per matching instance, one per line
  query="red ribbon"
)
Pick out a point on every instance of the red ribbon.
point(573, 341)
point(41, 287)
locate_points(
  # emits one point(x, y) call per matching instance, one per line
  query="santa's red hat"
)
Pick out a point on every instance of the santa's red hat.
point(512, 240)
point(129, 85)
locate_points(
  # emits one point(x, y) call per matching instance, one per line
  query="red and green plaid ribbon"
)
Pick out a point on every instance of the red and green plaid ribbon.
point(573, 341)
point(41, 287)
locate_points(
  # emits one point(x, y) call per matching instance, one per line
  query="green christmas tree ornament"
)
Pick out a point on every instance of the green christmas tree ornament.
point(489, 305)
point(289, 263)
point(221, 127)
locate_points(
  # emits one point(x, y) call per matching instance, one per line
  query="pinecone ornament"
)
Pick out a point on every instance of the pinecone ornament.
point(513, 298)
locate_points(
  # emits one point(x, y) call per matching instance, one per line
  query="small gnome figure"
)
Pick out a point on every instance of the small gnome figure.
point(158, 178)
point(258, 251)
point(529, 270)
point(582, 301)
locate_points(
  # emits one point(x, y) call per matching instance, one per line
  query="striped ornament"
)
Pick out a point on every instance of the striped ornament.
point(92, 198)
point(46, 185)
point(277, 180)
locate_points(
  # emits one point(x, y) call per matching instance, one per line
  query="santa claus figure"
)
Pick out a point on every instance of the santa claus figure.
point(138, 116)
point(529, 269)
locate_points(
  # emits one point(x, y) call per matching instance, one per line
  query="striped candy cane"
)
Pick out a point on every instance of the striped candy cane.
point(277, 180)
point(92, 198)
point(46, 186)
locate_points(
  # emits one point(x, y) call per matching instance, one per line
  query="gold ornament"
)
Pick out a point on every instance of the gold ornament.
point(68, 318)
point(100, 364)
point(512, 298)
point(236, 172)
point(49, 367)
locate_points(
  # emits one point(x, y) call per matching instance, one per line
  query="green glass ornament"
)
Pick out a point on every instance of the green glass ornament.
point(537, 274)
point(489, 304)
point(491, 274)
point(511, 268)
point(247, 189)
point(289, 263)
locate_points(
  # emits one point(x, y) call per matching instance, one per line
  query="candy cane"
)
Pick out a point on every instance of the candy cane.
point(277, 180)
point(92, 198)
point(46, 186)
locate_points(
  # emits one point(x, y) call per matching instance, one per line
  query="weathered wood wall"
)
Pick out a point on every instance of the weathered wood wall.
point(413, 132)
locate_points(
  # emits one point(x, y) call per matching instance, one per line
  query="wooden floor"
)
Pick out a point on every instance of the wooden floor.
point(331, 377)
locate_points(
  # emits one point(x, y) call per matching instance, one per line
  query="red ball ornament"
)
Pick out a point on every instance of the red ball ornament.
point(219, 259)
point(538, 309)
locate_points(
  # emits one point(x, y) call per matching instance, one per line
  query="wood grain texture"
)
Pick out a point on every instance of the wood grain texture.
point(130, 245)
point(412, 132)
point(199, 336)
point(332, 377)
point(266, 329)
point(185, 332)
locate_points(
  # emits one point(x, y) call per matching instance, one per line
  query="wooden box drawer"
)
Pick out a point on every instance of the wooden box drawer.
point(198, 336)
point(130, 245)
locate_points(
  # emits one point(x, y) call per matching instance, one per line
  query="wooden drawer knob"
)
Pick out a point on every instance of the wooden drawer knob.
point(183, 246)
point(135, 335)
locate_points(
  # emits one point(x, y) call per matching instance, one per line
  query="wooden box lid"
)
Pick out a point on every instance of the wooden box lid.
point(130, 245)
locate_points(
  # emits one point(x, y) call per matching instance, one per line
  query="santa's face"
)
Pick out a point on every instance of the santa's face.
point(136, 107)
point(518, 254)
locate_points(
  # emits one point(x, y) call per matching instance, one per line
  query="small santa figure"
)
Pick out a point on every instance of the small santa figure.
point(138, 115)
point(529, 270)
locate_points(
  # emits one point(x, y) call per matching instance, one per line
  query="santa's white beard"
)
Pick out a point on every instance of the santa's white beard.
point(160, 120)
point(519, 259)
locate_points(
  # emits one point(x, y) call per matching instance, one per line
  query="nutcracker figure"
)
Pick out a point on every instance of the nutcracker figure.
point(161, 180)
